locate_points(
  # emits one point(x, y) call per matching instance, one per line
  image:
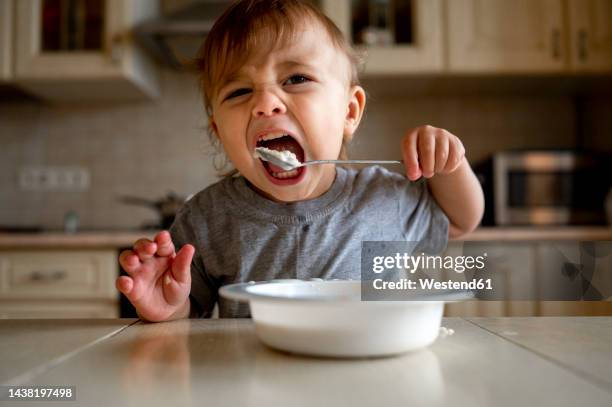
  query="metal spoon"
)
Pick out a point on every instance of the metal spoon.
point(287, 166)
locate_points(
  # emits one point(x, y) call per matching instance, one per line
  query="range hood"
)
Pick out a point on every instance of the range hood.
point(175, 38)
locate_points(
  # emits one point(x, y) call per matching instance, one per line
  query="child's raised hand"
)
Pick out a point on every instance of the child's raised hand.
point(428, 150)
point(159, 279)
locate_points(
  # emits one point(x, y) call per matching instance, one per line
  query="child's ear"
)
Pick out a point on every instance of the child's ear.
point(213, 126)
point(354, 111)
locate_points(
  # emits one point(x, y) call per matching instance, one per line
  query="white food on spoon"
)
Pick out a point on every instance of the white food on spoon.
point(287, 160)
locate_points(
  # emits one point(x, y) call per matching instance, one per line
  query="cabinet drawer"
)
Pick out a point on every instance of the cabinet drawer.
point(58, 274)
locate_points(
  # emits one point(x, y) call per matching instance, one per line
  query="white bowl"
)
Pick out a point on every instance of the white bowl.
point(328, 318)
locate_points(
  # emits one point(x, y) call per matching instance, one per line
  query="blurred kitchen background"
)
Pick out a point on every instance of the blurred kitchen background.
point(102, 128)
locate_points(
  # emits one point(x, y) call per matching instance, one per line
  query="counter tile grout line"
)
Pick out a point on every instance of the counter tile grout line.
point(602, 384)
point(45, 367)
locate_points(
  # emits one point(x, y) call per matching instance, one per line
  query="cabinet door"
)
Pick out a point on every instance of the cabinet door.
point(591, 35)
point(58, 284)
point(510, 265)
point(498, 36)
point(419, 51)
point(467, 308)
point(6, 39)
point(82, 50)
point(572, 269)
point(52, 275)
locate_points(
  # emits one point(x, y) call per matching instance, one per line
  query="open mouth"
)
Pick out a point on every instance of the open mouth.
point(282, 142)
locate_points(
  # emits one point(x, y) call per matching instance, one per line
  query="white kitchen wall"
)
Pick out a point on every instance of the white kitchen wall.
point(142, 149)
point(484, 124)
point(148, 149)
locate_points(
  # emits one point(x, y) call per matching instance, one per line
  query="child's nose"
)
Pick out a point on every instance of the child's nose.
point(267, 104)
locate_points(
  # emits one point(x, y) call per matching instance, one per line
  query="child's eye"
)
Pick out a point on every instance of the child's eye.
point(237, 92)
point(297, 79)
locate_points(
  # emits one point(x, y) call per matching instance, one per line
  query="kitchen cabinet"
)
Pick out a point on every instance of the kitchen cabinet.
point(405, 36)
point(463, 308)
point(496, 36)
point(83, 50)
point(58, 284)
point(563, 268)
point(525, 271)
point(529, 36)
point(512, 266)
point(6, 40)
point(590, 30)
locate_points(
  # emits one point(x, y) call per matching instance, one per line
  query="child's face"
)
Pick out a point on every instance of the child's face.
point(301, 90)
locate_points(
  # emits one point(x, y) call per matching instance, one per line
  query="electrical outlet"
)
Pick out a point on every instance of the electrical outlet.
point(54, 178)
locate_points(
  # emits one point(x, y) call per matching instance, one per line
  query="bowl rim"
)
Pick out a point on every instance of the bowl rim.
point(240, 292)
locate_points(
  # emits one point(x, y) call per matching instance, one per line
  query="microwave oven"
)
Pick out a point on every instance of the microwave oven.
point(550, 187)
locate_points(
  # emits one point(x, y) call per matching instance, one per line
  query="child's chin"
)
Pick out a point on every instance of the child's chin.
point(281, 194)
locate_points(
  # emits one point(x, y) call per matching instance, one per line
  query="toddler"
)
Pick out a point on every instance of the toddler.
point(279, 74)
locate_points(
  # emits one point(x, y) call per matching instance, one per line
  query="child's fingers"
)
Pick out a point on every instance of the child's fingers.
point(165, 247)
point(125, 285)
point(181, 266)
point(455, 155)
point(129, 288)
point(129, 261)
point(145, 249)
point(177, 280)
point(452, 157)
point(410, 155)
point(441, 153)
point(174, 292)
point(427, 146)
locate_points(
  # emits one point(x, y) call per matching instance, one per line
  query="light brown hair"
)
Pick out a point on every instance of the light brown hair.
point(247, 27)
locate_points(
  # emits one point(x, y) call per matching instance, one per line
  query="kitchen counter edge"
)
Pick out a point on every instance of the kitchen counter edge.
point(116, 240)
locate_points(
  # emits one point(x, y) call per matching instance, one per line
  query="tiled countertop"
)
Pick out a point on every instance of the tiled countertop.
point(488, 361)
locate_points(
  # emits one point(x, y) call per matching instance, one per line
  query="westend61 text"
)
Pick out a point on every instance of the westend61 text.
point(432, 284)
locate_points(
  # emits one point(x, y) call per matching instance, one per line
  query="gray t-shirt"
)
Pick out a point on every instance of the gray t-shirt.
point(241, 236)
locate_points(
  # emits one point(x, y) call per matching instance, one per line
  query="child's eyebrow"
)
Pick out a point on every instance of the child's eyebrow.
point(295, 64)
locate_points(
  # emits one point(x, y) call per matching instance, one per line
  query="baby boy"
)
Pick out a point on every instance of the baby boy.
point(279, 74)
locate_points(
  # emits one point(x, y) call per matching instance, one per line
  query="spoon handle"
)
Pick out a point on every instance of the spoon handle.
point(351, 162)
point(418, 181)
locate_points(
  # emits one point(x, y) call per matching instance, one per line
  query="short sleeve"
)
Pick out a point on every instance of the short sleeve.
point(423, 220)
point(204, 290)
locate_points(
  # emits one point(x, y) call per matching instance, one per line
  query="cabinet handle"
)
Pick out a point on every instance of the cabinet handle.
point(556, 43)
point(582, 45)
point(46, 276)
point(117, 48)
